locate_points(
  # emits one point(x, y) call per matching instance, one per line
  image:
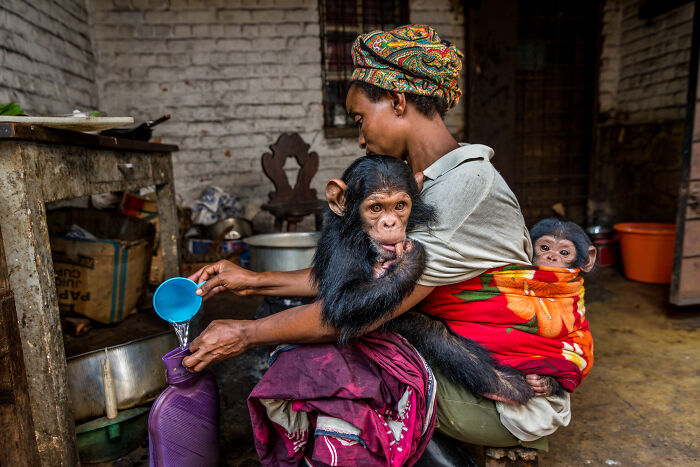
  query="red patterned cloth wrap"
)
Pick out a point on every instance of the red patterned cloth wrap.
point(369, 402)
point(530, 317)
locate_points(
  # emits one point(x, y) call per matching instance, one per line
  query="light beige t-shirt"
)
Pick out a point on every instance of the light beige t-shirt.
point(480, 227)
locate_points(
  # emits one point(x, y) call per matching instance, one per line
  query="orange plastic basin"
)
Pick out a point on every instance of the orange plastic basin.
point(647, 251)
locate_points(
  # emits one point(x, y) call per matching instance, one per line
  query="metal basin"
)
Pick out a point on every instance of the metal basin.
point(282, 251)
point(137, 370)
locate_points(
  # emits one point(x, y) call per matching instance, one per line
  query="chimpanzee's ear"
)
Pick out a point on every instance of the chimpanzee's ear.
point(590, 262)
point(335, 195)
point(419, 179)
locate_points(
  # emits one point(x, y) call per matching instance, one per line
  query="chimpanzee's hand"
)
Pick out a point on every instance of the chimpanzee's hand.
point(383, 264)
point(222, 339)
point(224, 275)
point(544, 386)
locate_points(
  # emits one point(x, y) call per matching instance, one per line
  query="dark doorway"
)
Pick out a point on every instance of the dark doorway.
point(537, 65)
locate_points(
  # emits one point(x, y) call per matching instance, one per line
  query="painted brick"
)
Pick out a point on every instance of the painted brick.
point(47, 61)
point(644, 64)
point(234, 74)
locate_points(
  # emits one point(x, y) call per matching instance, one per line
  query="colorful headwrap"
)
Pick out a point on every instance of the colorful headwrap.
point(409, 59)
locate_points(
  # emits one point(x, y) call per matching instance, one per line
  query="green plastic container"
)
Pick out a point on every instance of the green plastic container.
point(103, 440)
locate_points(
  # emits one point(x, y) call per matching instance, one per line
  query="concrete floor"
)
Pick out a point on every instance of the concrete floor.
point(637, 407)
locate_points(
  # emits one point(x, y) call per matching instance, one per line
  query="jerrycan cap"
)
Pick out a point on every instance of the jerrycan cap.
point(176, 300)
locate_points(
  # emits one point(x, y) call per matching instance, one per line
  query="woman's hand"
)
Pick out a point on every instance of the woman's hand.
point(220, 340)
point(224, 275)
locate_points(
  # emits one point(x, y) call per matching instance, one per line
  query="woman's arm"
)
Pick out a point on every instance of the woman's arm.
point(227, 338)
point(226, 275)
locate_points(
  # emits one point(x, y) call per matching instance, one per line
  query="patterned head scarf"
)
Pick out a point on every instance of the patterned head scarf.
point(409, 59)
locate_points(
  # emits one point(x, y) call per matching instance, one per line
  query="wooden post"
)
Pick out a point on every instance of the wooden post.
point(17, 433)
point(167, 217)
point(28, 256)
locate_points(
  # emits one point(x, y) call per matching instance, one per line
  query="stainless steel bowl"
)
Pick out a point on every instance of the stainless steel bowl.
point(138, 372)
point(230, 228)
point(282, 251)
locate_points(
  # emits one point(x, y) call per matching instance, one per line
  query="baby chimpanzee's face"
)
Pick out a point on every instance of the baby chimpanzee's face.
point(385, 217)
point(555, 252)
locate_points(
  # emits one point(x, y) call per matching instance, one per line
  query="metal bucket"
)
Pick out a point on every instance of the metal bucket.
point(282, 251)
point(137, 370)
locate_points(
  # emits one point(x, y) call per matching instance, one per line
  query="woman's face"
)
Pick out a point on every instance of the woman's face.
point(378, 123)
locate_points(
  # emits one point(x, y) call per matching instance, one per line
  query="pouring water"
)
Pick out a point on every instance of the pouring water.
point(176, 301)
point(182, 330)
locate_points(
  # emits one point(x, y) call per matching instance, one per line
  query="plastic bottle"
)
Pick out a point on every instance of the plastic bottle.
point(183, 426)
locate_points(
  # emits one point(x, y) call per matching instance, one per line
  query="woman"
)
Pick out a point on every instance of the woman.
point(404, 82)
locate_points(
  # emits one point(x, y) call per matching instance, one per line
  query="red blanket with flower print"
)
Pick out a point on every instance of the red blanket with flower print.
point(530, 317)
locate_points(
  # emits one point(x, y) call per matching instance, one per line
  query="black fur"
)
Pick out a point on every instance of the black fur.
point(461, 360)
point(353, 300)
point(342, 266)
point(563, 229)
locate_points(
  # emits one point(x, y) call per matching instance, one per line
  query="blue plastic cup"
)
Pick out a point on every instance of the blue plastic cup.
point(176, 299)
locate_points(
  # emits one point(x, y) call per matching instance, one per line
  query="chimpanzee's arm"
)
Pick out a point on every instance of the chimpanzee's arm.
point(356, 305)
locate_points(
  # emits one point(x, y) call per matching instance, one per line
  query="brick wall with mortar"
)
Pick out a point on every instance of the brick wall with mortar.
point(635, 171)
point(234, 75)
point(644, 63)
point(46, 56)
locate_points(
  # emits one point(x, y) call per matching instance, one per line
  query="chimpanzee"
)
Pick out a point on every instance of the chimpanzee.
point(563, 244)
point(364, 267)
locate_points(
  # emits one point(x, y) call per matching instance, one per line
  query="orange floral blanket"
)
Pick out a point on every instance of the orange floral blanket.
point(530, 317)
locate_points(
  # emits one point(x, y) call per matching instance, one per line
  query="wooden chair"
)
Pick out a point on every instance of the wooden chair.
point(287, 203)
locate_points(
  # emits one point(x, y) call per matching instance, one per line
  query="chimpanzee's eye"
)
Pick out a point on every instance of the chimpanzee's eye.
point(544, 248)
point(400, 205)
point(564, 252)
point(375, 208)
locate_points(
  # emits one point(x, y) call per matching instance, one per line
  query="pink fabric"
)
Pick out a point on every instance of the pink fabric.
point(369, 402)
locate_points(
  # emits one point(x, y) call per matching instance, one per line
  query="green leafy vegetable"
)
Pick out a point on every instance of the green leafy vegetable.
point(10, 110)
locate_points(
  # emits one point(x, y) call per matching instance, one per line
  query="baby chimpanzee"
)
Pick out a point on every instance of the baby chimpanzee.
point(364, 267)
point(562, 244)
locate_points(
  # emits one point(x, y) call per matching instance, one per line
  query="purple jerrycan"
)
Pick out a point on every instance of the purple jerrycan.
point(183, 426)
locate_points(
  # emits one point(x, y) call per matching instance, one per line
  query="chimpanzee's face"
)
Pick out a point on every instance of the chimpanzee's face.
point(384, 218)
point(554, 251)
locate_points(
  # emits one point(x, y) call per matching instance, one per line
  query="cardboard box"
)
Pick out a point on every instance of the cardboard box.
point(146, 208)
point(101, 279)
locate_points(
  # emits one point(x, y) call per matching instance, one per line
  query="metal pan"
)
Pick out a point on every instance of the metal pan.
point(137, 370)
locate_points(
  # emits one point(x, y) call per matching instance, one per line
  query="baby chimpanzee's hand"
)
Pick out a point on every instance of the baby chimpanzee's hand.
point(544, 385)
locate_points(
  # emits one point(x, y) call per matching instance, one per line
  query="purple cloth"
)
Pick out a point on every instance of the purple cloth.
point(369, 402)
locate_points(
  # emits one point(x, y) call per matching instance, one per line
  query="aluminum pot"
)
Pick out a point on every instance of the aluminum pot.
point(137, 370)
point(282, 251)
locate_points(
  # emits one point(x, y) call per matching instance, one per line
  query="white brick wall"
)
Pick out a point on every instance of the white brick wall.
point(46, 60)
point(447, 17)
point(644, 64)
point(234, 75)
